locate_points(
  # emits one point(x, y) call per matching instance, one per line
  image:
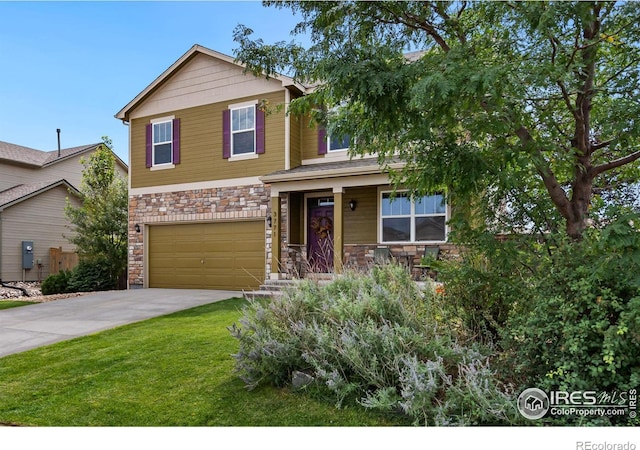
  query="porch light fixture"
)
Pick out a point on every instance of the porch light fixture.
point(137, 228)
point(269, 221)
point(352, 205)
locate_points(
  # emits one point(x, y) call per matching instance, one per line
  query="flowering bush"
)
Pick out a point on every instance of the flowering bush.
point(376, 340)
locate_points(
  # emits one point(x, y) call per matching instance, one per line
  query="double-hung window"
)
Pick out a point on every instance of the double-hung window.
point(420, 220)
point(162, 143)
point(243, 130)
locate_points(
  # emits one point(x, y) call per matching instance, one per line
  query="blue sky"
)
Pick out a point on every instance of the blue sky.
point(74, 65)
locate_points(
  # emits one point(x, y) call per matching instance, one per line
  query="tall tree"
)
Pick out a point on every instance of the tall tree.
point(530, 107)
point(101, 221)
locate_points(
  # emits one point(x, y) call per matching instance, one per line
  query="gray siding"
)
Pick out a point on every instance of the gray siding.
point(39, 219)
point(69, 169)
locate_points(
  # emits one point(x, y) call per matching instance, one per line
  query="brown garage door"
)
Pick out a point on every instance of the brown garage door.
point(224, 255)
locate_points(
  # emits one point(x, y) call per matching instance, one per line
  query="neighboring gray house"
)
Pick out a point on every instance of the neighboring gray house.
point(34, 187)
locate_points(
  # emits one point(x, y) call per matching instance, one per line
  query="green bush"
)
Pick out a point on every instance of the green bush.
point(92, 275)
point(56, 283)
point(579, 327)
point(376, 340)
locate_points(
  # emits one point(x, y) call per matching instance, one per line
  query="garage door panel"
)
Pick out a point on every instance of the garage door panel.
point(224, 255)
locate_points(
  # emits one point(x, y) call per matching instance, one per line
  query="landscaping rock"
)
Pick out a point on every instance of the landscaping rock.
point(301, 380)
point(32, 288)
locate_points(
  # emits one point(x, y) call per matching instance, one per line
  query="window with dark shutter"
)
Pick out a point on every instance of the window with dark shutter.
point(162, 143)
point(243, 131)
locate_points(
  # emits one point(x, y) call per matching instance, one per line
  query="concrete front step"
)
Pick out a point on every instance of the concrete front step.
point(271, 288)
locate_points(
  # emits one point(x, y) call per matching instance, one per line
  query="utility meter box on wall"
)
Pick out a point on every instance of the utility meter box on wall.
point(27, 254)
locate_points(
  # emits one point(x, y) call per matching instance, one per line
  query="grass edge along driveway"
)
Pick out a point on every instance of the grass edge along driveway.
point(174, 370)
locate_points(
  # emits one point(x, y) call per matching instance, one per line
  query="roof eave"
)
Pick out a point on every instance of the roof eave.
point(61, 182)
point(327, 173)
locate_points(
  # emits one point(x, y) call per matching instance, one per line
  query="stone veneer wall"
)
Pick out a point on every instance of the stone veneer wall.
point(199, 205)
point(361, 257)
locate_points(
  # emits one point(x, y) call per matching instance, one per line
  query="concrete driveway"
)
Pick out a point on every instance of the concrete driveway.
point(32, 326)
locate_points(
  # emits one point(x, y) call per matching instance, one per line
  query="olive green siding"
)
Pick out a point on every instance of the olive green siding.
point(296, 143)
point(309, 140)
point(201, 147)
point(360, 226)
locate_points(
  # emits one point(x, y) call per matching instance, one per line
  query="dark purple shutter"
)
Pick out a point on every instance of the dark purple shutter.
point(322, 141)
point(149, 145)
point(176, 141)
point(226, 133)
point(259, 131)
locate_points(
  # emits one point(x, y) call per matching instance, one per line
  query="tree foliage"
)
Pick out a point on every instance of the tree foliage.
point(101, 222)
point(530, 108)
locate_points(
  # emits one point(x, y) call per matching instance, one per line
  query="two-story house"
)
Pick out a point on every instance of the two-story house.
point(34, 187)
point(226, 190)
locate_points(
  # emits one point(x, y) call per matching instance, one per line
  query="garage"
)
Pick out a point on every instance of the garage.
point(221, 255)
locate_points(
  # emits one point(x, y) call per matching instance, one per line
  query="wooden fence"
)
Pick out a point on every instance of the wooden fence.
point(59, 260)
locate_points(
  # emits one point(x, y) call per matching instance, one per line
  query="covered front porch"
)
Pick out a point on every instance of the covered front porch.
point(327, 218)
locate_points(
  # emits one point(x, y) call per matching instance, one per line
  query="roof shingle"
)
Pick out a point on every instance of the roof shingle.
point(25, 190)
point(32, 157)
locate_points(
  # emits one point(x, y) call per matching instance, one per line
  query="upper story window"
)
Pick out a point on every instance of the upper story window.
point(243, 128)
point(243, 131)
point(335, 143)
point(329, 144)
point(163, 142)
point(404, 220)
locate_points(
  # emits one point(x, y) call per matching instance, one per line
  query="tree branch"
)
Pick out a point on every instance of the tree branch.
point(557, 194)
point(597, 170)
point(600, 145)
point(414, 23)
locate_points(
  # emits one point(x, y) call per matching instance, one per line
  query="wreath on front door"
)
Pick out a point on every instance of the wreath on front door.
point(322, 226)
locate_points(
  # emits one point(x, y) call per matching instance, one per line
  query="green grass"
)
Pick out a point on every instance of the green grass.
point(6, 304)
point(174, 370)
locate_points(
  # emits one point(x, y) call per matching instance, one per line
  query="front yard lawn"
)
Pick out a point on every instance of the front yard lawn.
point(174, 370)
point(6, 304)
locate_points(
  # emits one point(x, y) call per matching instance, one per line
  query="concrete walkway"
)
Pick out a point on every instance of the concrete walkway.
point(32, 326)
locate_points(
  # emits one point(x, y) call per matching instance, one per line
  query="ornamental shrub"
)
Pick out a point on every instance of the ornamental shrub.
point(56, 283)
point(92, 275)
point(376, 340)
point(579, 327)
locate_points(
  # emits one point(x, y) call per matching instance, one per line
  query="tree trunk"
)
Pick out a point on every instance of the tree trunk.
point(579, 209)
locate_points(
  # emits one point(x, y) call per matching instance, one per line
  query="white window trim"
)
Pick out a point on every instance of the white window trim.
point(412, 216)
point(243, 157)
point(235, 107)
point(164, 166)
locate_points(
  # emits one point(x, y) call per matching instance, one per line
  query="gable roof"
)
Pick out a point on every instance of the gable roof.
point(31, 157)
point(123, 114)
point(21, 192)
point(18, 154)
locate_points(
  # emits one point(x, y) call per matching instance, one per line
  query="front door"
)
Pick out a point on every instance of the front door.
point(320, 235)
